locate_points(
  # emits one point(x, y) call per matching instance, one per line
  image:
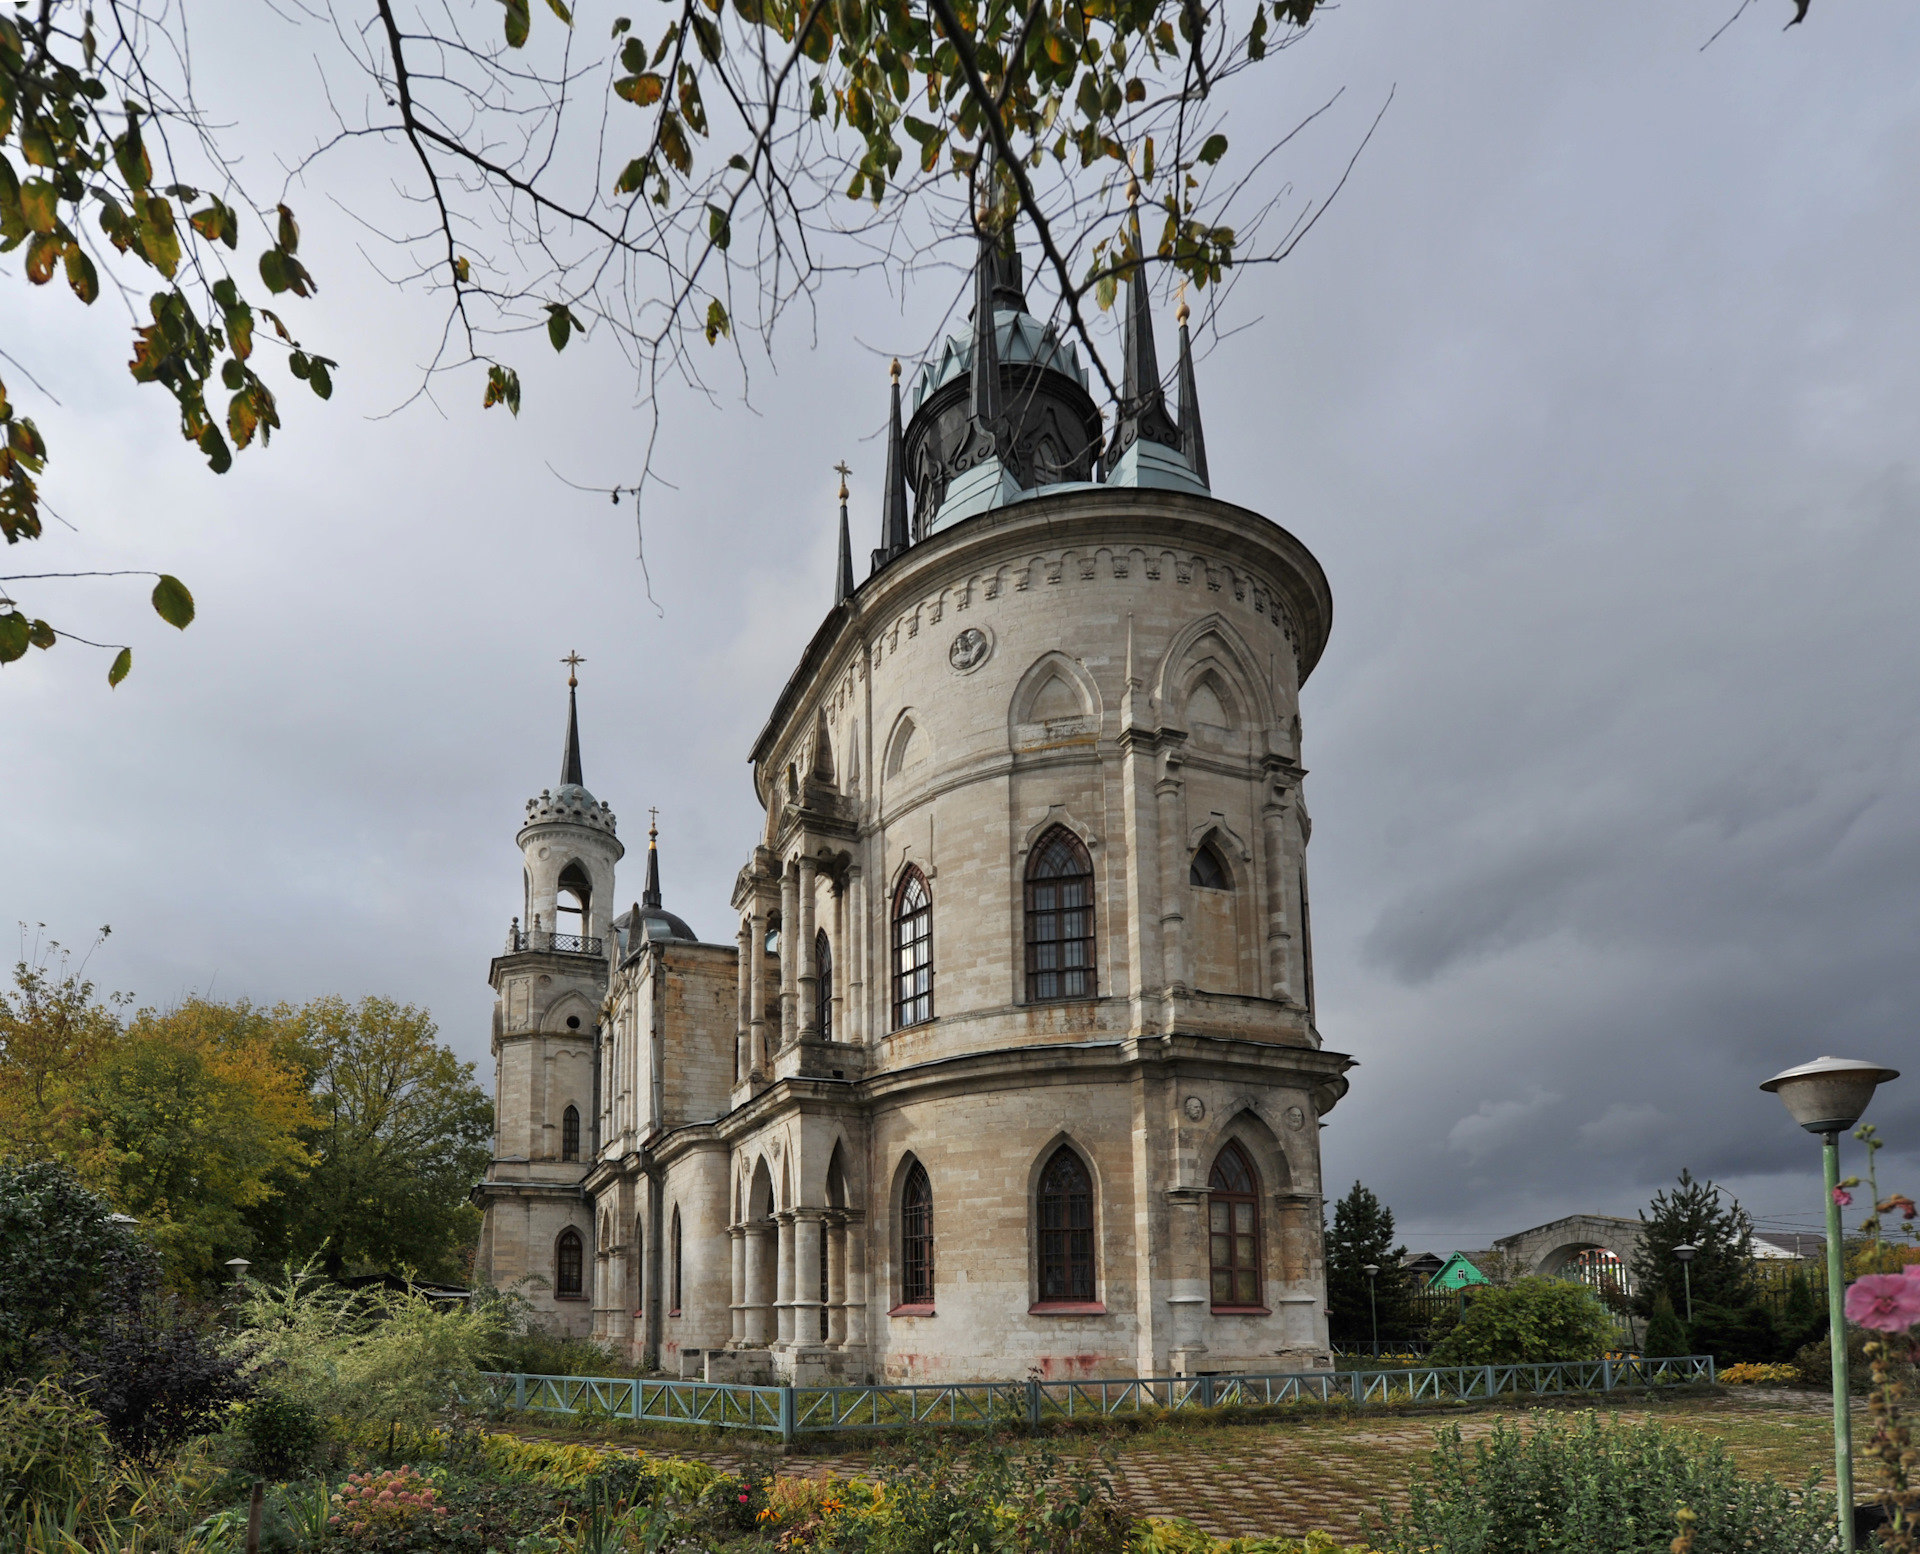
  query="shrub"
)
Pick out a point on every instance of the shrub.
point(1666, 1337)
point(54, 1451)
point(377, 1508)
point(1814, 1365)
point(1598, 1487)
point(1530, 1322)
point(59, 1252)
point(1750, 1374)
point(280, 1434)
point(1732, 1336)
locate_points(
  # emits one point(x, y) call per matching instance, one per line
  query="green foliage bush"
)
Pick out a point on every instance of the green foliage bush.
point(280, 1435)
point(54, 1452)
point(1666, 1334)
point(1733, 1336)
point(1530, 1322)
point(1591, 1486)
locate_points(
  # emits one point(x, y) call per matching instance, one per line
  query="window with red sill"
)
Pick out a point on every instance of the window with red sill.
point(1066, 1230)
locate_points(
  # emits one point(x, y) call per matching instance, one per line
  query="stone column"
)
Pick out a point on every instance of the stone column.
point(1174, 889)
point(856, 1265)
point(807, 979)
point(759, 1067)
point(789, 960)
point(759, 1280)
point(737, 1284)
point(806, 1280)
point(837, 1280)
point(743, 1037)
point(783, 1290)
point(854, 935)
point(1273, 830)
point(1187, 1271)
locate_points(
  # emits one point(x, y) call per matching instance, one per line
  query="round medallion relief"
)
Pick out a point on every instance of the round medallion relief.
point(1296, 1119)
point(1196, 1108)
point(969, 650)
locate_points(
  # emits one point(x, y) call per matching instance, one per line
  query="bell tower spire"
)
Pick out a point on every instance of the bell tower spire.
point(1143, 405)
point(843, 568)
point(570, 757)
point(650, 897)
point(1193, 441)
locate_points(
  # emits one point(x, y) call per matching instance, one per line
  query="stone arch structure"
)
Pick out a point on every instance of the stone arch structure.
point(1554, 1248)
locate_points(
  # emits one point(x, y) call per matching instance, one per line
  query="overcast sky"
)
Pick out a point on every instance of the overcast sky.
point(1595, 393)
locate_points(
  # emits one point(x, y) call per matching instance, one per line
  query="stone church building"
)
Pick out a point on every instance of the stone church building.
point(1011, 1063)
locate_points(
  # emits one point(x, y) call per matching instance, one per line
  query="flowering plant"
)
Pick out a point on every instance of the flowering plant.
point(371, 1503)
point(1888, 1305)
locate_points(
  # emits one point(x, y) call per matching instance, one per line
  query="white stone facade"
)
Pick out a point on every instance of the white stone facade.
point(1121, 663)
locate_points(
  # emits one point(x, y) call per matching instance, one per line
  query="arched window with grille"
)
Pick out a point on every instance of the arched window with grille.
point(568, 1265)
point(1233, 1223)
point(1066, 1230)
point(823, 984)
point(1059, 918)
point(570, 1133)
point(916, 1238)
point(912, 950)
point(673, 1302)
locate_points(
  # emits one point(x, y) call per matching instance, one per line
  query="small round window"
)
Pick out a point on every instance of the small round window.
point(573, 1022)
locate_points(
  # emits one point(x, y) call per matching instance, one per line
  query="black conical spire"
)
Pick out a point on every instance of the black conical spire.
point(984, 399)
point(1143, 404)
point(650, 897)
point(1193, 441)
point(570, 757)
point(894, 534)
point(843, 571)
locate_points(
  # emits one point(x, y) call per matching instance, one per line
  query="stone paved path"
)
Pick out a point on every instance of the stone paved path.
point(1292, 1478)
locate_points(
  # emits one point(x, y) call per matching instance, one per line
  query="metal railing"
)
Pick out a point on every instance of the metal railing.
point(791, 1411)
point(563, 943)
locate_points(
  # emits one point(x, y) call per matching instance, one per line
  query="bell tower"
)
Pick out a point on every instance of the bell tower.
point(549, 984)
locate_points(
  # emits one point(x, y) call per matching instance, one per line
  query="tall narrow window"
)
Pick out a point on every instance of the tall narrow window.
point(567, 1264)
point(674, 1299)
point(912, 950)
point(1208, 871)
point(1059, 918)
point(639, 1264)
point(1066, 1229)
point(823, 984)
point(1233, 1212)
point(916, 1238)
point(572, 898)
point(570, 1133)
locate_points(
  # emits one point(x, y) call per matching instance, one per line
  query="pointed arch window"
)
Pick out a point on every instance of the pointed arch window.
point(568, 1264)
point(1066, 1229)
point(673, 1302)
point(823, 984)
point(1209, 870)
point(1059, 918)
point(916, 1238)
point(912, 950)
point(573, 901)
point(570, 1133)
point(1233, 1224)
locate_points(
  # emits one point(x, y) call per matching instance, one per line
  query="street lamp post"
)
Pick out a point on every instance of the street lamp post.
point(1827, 1097)
point(1372, 1271)
point(1686, 1255)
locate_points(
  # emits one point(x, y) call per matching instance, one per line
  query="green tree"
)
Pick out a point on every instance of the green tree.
point(60, 1251)
point(402, 1131)
point(1666, 1334)
point(1698, 1214)
point(1532, 1321)
point(52, 1030)
point(1362, 1234)
point(187, 1121)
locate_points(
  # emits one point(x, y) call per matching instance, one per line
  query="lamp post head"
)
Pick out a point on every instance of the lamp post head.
point(239, 1265)
point(1829, 1094)
point(1371, 1269)
point(1686, 1253)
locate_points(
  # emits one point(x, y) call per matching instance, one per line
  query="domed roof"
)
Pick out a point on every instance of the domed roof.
point(652, 925)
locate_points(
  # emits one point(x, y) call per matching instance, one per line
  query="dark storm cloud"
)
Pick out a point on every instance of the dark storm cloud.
point(1596, 393)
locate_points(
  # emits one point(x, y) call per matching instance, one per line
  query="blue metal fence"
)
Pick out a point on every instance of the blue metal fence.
point(791, 1411)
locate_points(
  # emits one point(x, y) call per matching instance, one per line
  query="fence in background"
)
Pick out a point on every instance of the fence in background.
point(793, 1411)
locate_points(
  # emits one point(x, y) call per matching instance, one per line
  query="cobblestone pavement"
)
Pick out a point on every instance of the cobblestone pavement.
point(1290, 1478)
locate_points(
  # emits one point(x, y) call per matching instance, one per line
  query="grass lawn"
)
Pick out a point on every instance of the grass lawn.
point(1292, 1476)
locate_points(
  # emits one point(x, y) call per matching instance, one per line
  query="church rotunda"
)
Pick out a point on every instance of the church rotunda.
point(1012, 1062)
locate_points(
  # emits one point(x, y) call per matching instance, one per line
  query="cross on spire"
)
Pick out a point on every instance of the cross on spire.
point(653, 815)
point(573, 661)
point(842, 471)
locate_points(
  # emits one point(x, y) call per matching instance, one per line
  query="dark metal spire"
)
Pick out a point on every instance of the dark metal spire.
point(650, 897)
point(894, 534)
point(843, 572)
point(1143, 405)
point(984, 401)
point(1193, 441)
point(570, 757)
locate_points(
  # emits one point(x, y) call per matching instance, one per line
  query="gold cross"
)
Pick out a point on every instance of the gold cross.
point(843, 471)
point(573, 661)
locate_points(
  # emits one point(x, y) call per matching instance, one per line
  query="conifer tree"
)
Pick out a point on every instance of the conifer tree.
point(1362, 1234)
point(1704, 1215)
point(1666, 1333)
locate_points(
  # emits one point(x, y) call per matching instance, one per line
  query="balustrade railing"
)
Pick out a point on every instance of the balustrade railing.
point(563, 943)
point(791, 1411)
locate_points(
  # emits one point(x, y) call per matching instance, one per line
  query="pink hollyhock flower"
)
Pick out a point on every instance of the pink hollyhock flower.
point(1886, 1302)
point(1842, 1197)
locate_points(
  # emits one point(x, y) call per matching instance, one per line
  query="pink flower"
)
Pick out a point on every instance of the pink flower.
point(1842, 1197)
point(1887, 1302)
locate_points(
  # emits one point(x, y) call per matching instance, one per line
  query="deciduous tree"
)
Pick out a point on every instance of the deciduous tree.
point(52, 1029)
